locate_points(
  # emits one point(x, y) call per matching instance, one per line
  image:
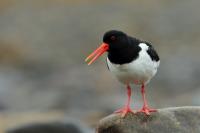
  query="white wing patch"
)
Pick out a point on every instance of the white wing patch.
point(143, 46)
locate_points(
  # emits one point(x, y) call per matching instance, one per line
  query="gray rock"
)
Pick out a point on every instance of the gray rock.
point(169, 120)
point(50, 127)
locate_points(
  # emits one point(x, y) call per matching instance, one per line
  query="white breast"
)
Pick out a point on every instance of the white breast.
point(138, 71)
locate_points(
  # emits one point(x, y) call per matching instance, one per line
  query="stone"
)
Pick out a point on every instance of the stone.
point(49, 127)
point(167, 120)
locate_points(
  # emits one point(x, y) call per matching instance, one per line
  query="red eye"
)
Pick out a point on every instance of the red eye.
point(113, 38)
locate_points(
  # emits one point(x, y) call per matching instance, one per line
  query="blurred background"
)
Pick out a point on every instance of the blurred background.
point(43, 44)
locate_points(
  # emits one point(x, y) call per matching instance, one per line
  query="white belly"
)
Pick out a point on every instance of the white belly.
point(139, 71)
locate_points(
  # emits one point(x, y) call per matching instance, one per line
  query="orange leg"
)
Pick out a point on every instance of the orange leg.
point(145, 109)
point(127, 107)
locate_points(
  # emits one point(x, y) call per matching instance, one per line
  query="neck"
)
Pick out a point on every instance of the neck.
point(124, 55)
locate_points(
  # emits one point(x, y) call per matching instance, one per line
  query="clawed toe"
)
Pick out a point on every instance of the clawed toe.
point(124, 111)
point(146, 110)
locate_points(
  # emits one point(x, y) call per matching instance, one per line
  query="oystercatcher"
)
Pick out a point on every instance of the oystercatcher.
point(131, 60)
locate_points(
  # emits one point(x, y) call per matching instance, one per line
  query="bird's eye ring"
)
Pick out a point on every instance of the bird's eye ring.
point(113, 38)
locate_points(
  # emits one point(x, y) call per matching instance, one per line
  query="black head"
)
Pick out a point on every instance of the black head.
point(115, 39)
point(120, 48)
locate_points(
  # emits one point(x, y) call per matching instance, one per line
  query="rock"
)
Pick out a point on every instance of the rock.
point(168, 120)
point(50, 127)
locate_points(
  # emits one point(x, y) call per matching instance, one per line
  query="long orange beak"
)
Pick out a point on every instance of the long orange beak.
point(97, 53)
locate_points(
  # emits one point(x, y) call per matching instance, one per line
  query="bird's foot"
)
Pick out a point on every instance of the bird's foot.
point(146, 110)
point(124, 111)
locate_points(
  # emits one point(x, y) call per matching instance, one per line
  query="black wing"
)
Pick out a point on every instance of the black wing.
point(152, 52)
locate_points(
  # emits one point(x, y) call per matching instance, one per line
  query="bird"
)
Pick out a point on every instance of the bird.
point(132, 61)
